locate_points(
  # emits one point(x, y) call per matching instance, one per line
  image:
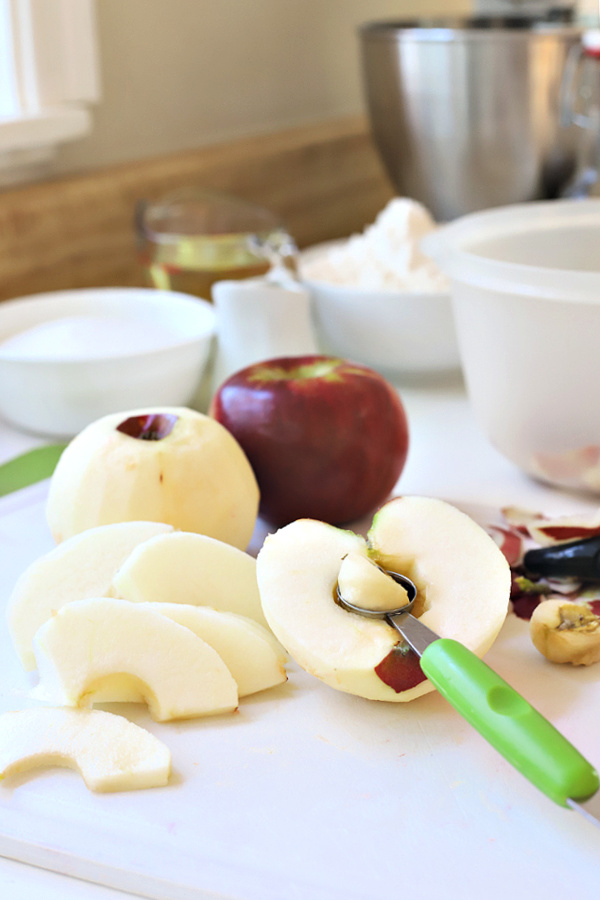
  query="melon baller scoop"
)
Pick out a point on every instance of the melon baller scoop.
point(497, 711)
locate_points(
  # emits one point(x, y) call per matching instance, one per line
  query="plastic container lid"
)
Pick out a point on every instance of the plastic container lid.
point(548, 249)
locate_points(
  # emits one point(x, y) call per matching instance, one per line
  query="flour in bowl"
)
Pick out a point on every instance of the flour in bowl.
point(385, 257)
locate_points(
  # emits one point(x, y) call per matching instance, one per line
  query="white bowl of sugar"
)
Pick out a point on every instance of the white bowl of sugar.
point(70, 357)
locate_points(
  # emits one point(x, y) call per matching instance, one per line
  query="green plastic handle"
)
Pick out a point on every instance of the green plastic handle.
point(509, 723)
point(31, 467)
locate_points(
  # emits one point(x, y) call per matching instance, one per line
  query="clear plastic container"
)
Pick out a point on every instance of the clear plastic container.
point(525, 284)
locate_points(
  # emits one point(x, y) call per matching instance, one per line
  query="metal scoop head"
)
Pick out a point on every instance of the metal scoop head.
point(416, 635)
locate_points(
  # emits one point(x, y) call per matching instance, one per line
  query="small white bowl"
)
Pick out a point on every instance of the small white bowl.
point(397, 333)
point(114, 349)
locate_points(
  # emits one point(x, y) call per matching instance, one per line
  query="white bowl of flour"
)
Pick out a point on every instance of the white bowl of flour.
point(378, 300)
point(70, 357)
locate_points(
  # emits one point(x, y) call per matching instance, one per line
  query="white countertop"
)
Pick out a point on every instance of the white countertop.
point(448, 458)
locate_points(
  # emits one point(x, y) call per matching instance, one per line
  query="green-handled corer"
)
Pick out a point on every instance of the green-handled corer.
point(499, 713)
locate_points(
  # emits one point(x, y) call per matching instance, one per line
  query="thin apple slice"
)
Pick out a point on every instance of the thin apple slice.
point(111, 753)
point(105, 649)
point(194, 569)
point(463, 583)
point(79, 568)
point(248, 650)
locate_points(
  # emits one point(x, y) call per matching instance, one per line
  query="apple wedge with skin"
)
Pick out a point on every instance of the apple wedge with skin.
point(169, 464)
point(194, 569)
point(79, 568)
point(249, 651)
point(111, 753)
point(105, 649)
point(462, 578)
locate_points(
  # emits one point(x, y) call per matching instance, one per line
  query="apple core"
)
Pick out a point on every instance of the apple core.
point(148, 428)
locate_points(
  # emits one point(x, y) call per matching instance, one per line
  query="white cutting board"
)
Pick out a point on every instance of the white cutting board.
point(310, 794)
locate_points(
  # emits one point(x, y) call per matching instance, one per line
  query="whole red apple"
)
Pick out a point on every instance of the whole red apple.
point(327, 438)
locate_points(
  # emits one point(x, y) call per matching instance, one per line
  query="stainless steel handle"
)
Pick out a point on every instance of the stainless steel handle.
point(417, 635)
point(570, 89)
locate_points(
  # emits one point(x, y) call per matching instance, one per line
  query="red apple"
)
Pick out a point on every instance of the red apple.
point(327, 438)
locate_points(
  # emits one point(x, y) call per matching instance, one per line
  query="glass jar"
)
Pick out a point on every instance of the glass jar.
point(192, 238)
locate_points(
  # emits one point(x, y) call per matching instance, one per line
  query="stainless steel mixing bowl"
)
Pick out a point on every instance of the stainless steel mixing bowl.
point(466, 113)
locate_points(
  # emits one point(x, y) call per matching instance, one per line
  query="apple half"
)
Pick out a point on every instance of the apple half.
point(106, 649)
point(79, 568)
point(111, 753)
point(193, 569)
point(169, 464)
point(462, 579)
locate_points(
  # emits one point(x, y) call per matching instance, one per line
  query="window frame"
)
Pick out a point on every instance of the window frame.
point(50, 74)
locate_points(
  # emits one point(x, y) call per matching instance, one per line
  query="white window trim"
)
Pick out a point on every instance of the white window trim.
point(50, 80)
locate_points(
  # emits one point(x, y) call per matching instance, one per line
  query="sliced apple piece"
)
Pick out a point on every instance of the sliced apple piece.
point(168, 464)
point(81, 567)
point(111, 753)
point(248, 650)
point(105, 649)
point(194, 569)
point(463, 583)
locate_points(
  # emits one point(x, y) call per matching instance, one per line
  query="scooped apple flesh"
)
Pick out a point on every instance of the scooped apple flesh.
point(365, 585)
point(462, 580)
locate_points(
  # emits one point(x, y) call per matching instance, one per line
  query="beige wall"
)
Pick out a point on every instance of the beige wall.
point(178, 74)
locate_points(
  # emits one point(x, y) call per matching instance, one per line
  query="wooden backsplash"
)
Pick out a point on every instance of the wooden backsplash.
point(325, 181)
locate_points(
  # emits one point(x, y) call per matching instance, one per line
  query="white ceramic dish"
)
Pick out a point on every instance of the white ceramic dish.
point(525, 283)
point(113, 349)
point(396, 333)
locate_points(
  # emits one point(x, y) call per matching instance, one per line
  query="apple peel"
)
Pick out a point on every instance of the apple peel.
point(111, 753)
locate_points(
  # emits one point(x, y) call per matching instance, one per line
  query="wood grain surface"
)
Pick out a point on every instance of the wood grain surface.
point(324, 180)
